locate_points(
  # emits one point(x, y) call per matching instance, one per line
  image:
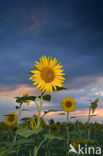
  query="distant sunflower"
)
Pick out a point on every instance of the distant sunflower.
point(47, 74)
point(26, 95)
point(68, 104)
point(32, 124)
point(80, 141)
point(11, 119)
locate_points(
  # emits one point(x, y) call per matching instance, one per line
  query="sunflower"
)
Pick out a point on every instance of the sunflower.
point(32, 124)
point(26, 101)
point(54, 127)
point(47, 74)
point(80, 141)
point(11, 119)
point(68, 104)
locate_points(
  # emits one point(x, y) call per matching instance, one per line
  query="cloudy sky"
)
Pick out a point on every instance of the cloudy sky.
point(71, 31)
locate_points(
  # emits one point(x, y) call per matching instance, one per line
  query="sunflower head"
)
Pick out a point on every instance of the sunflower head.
point(32, 124)
point(80, 141)
point(47, 74)
point(54, 127)
point(11, 119)
point(68, 104)
point(26, 101)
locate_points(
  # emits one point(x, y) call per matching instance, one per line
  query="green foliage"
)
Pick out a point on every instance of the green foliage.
point(46, 97)
point(55, 140)
point(23, 99)
point(51, 137)
point(59, 88)
point(94, 105)
point(32, 136)
point(51, 110)
point(27, 132)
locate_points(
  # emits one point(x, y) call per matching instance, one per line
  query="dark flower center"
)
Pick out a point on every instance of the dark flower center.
point(11, 118)
point(68, 104)
point(47, 74)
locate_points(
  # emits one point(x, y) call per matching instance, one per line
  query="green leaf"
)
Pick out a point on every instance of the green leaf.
point(45, 97)
point(11, 146)
point(94, 105)
point(25, 110)
point(51, 137)
point(32, 98)
point(17, 107)
point(27, 132)
point(19, 100)
point(23, 99)
point(12, 151)
point(74, 133)
point(24, 141)
point(93, 141)
point(73, 117)
point(26, 119)
point(93, 115)
point(59, 88)
point(3, 151)
point(51, 110)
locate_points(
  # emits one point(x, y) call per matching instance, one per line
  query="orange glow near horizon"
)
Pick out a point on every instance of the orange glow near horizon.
point(19, 91)
point(7, 94)
point(79, 112)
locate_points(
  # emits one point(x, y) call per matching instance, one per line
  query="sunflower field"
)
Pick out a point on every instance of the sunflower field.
point(32, 136)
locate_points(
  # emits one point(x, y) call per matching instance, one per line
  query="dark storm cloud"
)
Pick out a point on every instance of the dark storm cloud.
point(72, 31)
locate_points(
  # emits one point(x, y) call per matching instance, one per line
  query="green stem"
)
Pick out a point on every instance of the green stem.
point(47, 151)
point(39, 111)
point(47, 146)
point(18, 121)
point(29, 153)
point(36, 149)
point(34, 121)
point(41, 144)
point(89, 117)
point(38, 123)
point(9, 134)
point(67, 132)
